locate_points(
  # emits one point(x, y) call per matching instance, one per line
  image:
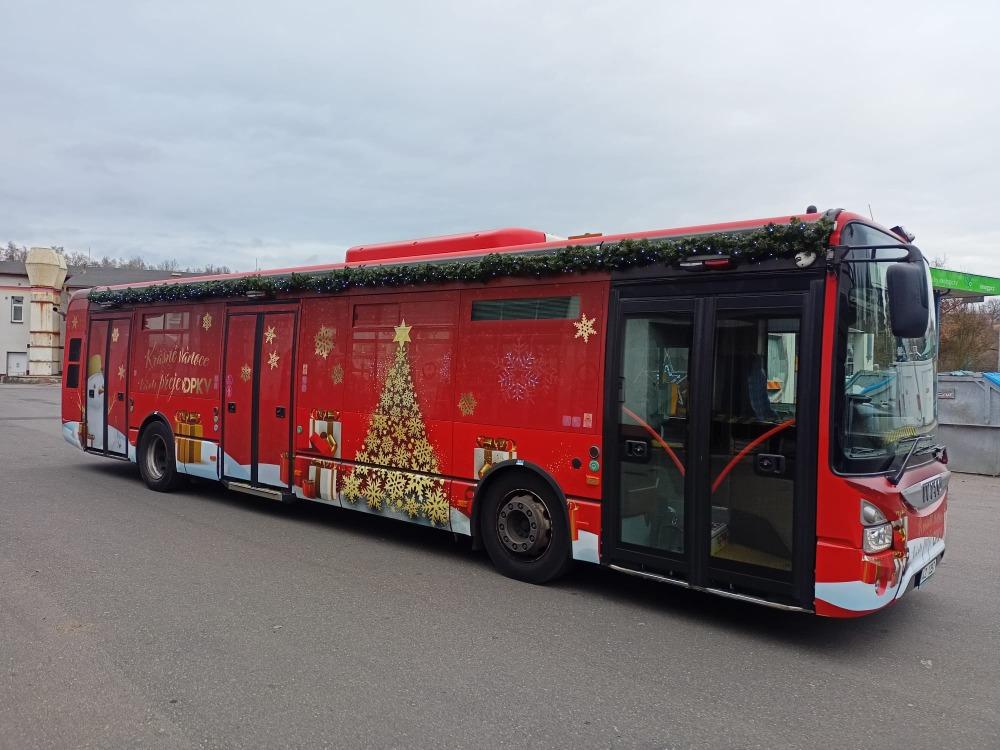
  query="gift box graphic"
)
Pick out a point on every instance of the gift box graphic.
point(187, 436)
point(324, 432)
point(323, 475)
point(490, 451)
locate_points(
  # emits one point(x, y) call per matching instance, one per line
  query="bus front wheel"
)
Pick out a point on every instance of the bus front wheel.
point(157, 464)
point(524, 529)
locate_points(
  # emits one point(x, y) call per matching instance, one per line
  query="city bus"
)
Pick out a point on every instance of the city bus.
point(746, 409)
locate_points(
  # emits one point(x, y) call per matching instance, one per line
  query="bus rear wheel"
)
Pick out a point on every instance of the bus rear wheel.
point(524, 530)
point(157, 464)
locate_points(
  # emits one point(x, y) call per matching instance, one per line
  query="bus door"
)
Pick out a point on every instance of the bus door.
point(107, 386)
point(707, 486)
point(257, 422)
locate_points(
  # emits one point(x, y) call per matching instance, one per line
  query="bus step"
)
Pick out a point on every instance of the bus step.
point(268, 492)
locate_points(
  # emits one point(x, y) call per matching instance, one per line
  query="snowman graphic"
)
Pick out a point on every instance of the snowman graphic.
point(95, 402)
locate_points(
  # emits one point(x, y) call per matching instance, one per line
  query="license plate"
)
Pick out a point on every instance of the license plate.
point(929, 570)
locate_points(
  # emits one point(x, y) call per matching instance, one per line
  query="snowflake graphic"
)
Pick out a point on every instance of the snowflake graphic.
point(206, 321)
point(519, 373)
point(436, 508)
point(423, 453)
point(395, 486)
point(323, 342)
point(272, 359)
point(337, 374)
point(352, 487)
point(412, 507)
point(467, 404)
point(585, 328)
point(374, 491)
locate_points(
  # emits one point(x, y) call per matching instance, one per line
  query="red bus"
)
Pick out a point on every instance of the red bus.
point(746, 409)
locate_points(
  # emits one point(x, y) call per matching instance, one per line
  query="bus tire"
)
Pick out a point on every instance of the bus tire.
point(157, 463)
point(524, 529)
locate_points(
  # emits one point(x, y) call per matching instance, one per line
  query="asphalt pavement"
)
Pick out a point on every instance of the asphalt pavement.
point(210, 619)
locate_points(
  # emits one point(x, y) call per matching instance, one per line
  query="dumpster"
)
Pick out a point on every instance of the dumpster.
point(969, 421)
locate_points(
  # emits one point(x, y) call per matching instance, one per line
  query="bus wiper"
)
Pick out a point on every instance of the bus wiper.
point(916, 440)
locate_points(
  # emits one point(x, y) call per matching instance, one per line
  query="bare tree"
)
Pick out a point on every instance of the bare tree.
point(968, 335)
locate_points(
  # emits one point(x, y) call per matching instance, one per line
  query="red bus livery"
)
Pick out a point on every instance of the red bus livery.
point(746, 409)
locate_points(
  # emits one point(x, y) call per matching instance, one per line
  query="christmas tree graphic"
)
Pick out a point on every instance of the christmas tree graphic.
point(397, 442)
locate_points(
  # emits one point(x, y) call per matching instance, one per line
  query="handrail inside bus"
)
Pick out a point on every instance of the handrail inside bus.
point(747, 448)
point(656, 436)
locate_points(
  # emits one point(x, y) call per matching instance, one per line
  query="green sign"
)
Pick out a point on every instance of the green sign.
point(965, 282)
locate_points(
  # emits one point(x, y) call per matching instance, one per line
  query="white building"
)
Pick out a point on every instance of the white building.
point(33, 295)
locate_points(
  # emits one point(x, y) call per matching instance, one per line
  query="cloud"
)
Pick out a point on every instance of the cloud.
point(229, 132)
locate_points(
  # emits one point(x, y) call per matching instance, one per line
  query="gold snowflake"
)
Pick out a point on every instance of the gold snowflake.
point(272, 360)
point(379, 421)
point(374, 494)
point(206, 321)
point(395, 485)
point(467, 404)
point(245, 373)
point(337, 374)
point(437, 509)
point(399, 431)
point(416, 484)
point(121, 371)
point(270, 334)
point(423, 453)
point(114, 335)
point(412, 507)
point(76, 322)
point(324, 341)
point(585, 328)
point(401, 456)
point(352, 487)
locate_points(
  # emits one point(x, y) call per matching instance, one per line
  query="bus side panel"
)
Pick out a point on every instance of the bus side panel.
point(74, 378)
point(530, 386)
point(176, 375)
point(397, 351)
point(533, 386)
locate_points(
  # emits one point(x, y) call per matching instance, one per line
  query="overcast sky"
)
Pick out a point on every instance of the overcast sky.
point(244, 132)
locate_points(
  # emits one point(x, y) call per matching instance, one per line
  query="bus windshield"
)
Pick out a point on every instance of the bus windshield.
point(888, 395)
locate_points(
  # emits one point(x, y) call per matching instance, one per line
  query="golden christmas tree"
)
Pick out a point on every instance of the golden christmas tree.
point(397, 440)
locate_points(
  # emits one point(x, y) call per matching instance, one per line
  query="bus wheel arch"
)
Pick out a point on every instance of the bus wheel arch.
point(515, 503)
point(155, 454)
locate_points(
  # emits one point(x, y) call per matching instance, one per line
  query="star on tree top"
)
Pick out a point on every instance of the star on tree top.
point(402, 334)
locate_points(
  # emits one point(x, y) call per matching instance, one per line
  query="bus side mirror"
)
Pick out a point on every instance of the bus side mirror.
point(909, 303)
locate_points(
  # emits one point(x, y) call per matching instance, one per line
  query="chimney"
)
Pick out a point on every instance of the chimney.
point(46, 274)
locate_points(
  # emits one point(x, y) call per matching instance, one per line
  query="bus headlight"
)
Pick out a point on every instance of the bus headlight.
point(876, 535)
point(877, 538)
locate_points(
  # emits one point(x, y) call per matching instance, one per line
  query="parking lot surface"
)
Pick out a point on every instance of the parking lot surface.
point(210, 619)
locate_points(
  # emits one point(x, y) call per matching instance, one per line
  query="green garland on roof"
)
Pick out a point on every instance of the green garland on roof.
point(771, 241)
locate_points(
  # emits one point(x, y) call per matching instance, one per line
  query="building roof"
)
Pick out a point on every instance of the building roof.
point(12, 268)
point(84, 277)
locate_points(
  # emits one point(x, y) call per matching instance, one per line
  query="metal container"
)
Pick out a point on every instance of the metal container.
point(969, 421)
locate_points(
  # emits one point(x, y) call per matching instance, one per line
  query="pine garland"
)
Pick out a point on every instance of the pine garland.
point(771, 241)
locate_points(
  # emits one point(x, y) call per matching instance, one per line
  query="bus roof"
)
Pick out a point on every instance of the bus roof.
point(477, 244)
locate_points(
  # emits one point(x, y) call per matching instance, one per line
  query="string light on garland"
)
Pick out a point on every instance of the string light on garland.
point(772, 241)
